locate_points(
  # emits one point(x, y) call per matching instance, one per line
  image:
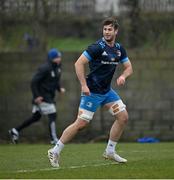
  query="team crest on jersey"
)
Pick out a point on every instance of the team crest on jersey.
point(118, 52)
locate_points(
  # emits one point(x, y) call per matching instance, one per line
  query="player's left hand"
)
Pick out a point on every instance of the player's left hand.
point(121, 80)
point(62, 90)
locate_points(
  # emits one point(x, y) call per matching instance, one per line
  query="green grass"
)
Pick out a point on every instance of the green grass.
point(69, 44)
point(84, 161)
point(12, 40)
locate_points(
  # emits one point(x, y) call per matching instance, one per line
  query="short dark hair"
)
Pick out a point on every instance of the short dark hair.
point(111, 20)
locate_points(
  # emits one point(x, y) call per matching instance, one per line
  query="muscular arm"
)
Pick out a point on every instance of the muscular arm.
point(80, 71)
point(126, 73)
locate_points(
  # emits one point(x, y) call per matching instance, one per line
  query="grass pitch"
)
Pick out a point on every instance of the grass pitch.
point(83, 161)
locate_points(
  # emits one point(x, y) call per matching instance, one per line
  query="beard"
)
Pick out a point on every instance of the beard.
point(109, 39)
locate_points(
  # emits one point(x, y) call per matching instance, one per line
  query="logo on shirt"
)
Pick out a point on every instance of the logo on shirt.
point(111, 58)
point(118, 52)
point(104, 53)
point(109, 62)
point(89, 104)
point(52, 74)
point(59, 70)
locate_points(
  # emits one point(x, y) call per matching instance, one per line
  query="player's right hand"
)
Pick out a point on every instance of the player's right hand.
point(85, 90)
point(38, 100)
point(62, 90)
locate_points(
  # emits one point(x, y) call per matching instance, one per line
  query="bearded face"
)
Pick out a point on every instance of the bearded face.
point(109, 33)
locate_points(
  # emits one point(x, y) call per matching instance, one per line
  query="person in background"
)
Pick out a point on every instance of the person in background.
point(103, 57)
point(44, 84)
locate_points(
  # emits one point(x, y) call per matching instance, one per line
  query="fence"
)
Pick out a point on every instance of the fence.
point(50, 9)
point(157, 5)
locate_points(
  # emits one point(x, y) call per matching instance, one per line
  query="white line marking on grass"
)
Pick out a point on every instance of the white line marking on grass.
point(135, 151)
point(70, 167)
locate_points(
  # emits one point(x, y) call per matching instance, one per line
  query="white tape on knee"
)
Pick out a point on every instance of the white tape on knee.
point(85, 114)
point(117, 107)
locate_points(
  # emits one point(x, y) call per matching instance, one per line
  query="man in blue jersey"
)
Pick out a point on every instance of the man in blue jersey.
point(103, 58)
